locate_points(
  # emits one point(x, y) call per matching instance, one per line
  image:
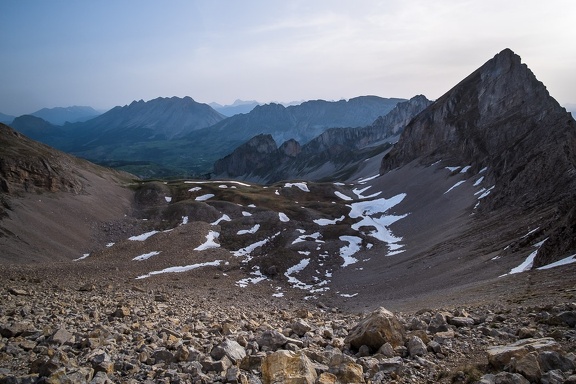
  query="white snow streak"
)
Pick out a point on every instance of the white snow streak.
point(179, 269)
point(224, 217)
point(323, 222)
point(302, 186)
point(204, 197)
point(251, 230)
point(455, 185)
point(143, 236)
point(283, 218)
point(342, 196)
point(146, 256)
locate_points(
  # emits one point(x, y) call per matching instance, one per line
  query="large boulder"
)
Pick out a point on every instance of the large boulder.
point(500, 356)
point(378, 328)
point(288, 367)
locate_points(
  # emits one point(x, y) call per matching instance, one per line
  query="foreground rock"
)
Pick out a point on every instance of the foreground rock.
point(60, 335)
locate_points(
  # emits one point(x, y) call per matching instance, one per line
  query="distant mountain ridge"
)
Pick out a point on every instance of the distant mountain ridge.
point(260, 159)
point(239, 106)
point(62, 115)
point(168, 137)
point(305, 121)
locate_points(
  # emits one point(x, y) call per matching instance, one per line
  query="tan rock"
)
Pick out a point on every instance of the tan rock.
point(500, 356)
point(287, 367)
point(378, 328)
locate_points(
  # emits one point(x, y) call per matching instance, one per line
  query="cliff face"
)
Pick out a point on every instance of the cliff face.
point(502, 119)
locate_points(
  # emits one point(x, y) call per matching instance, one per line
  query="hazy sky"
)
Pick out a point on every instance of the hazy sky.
point(109, 52)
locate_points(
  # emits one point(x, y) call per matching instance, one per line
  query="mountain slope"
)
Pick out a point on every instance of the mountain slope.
point(51, 201)
point(502, 120)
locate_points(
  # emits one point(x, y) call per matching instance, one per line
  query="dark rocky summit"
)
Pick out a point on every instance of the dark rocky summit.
point(502, 119)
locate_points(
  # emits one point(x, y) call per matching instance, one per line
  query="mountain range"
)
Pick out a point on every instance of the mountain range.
point(168, 137)
point(461, 211)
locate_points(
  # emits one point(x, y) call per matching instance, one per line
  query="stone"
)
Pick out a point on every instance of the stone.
point(528, 367)
point(233, 375)
point(416, 346)
point(379, 327)
point(552, 360)
point(438, 323)
point(230, 348)
point(387, 350)
point(16, 329)
point(289, 368)
point(163, 355)
point(327, 378)
point(271, 340)
point(61, 336)
point(121, 312)
point(503, 378)
point(348, 372)
point(553, 377)
point(500, 356)
point(461, 321)
point(300, 327)
point(18, 292)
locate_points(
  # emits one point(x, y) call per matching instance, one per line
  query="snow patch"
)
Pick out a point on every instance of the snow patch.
point(168, 199)
point(224, 217)
point(323, 222)
point(455, 185)
point(252, 230)
point(258, 277)
point(210, 241)
point(179, 269)
point(362, 181)
point(348, 251)
point(146, 256)
point(82, 257)
point(301, 186)
point(479, 181)
point(143, 236)
point(283, 217)
point(204, 197)
point(527, 264)
point(565, 261)
point(246, 214)
point(296, 269)
point(342, 196)
point(194, 189)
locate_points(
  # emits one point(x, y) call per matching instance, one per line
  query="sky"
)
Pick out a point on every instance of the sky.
point(105, 53)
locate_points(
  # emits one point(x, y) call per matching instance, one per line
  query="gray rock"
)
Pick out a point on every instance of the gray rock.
point(271, 340)
point(300, 327)
point(553, 377)
point(552, 360)
point(461, 321)
point(61, 336)
point(416, 346)
point(378, 328)
point(230, 348)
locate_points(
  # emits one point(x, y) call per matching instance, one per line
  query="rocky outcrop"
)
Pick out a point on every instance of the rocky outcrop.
point(249, 157)
point(500, 117)
point(503, 120)
point(28, 166)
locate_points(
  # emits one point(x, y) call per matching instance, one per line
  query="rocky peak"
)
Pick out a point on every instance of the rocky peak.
point(247, 157)
point(501, 119)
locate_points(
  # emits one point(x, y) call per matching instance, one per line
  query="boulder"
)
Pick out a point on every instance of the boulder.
point(378, 328)
point(287, 367)
point(416, 346)
point(500, 356)
point(230, 348)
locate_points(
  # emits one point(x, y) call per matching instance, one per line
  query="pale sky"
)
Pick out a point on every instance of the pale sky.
point(105, 53)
